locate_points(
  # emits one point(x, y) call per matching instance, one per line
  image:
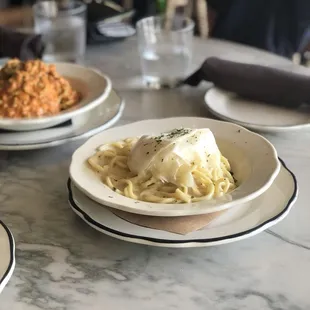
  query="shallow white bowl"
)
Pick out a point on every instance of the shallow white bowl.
point(82, 126)
point(258, 116)
point(253, 160)
point(93, 85)
point(238, 223)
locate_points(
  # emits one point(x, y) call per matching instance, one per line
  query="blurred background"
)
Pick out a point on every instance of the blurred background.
point(281, 27)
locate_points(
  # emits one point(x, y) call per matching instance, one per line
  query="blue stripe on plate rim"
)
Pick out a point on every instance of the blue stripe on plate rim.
point(12, 252)
point(166, 241)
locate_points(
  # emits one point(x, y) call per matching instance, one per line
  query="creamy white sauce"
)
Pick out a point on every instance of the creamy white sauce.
point(171, 156)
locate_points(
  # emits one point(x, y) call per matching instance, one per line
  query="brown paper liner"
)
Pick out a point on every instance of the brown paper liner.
point(180, 225)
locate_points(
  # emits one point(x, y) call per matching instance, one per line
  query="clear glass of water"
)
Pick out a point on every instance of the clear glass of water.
point(63, 28)
point(165, 49)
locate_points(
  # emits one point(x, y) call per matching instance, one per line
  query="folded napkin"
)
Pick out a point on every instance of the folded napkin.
point(20, 45)
point(254, 82)
point(181, 225)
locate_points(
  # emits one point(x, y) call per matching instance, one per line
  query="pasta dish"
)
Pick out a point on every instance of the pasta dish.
point(180, 166)
point(33, 89)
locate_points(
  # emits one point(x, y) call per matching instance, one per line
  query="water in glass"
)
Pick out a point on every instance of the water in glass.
point(65, 38)
point(165, 53)
point(164, 65)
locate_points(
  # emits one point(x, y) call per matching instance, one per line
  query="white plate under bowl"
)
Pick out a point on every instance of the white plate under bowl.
point(7, 255)
point(105, 115)
point(93, 85)
point(255, 115)
point(237, 223)
point(253, 160)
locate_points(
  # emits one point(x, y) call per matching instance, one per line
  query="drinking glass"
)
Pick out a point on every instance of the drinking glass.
point(165, 48)
point(63, 28)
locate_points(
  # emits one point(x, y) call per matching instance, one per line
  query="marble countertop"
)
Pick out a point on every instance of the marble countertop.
point(62, 264)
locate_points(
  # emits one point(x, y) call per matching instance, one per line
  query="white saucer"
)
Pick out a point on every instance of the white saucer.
point(239, 222)
point(7, 255)
point(82, 126)
point(255, 115)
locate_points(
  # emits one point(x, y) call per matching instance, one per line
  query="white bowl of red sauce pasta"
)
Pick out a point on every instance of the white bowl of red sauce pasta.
point(35, 95)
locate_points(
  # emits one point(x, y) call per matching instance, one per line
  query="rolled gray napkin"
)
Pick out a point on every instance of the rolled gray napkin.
point(14, 44)
point(254, 82)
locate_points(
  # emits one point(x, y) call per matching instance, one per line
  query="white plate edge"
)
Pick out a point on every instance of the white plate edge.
point(188, 244)
point(262, 128)
point(8, 274)
point(35, 146)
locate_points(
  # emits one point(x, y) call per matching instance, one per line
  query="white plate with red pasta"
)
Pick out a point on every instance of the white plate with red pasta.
point(36, 95)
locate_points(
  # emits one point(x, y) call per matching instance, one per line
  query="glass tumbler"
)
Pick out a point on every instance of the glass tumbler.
point(63, 28)
point(165, 49)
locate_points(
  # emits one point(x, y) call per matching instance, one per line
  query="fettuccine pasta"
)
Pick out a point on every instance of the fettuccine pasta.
point(111, 163)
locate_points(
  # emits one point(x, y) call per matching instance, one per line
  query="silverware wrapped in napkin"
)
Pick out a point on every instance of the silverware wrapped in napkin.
point(15, 44)
point(254, 82)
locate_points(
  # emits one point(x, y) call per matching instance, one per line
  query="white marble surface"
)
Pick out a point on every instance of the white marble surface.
point(64, 264)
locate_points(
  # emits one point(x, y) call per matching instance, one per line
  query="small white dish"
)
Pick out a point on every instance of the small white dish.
point(7, 255)
point(105, 115)
point(253, 160)
point(93, 85)
point(255, 115)
point(240, 222)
